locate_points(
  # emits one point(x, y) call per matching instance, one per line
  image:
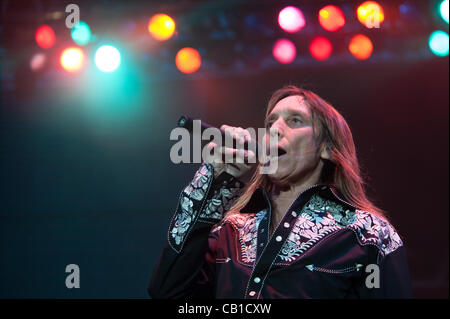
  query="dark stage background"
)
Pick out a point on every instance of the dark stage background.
point(86, 178)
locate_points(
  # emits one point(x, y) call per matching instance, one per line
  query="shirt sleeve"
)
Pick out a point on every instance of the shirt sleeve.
point(186, 267)
point(389, 278)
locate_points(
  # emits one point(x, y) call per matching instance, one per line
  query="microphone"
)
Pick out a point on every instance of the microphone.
point(187, 123)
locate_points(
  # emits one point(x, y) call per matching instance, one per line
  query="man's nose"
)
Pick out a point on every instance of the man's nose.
point(277, 129)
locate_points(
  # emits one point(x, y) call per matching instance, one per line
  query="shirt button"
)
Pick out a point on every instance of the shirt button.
point(261, 245)
point(294, 214)
point(251, 293)
point(286, 225)
point(262, 230)
point(257, 280)
point(278, 238)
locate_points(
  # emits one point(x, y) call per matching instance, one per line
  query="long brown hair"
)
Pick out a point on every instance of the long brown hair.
point(342, 171)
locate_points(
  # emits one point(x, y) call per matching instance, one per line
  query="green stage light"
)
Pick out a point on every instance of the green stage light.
point(444, 10)
point(438, 43)
point(107, 58)
point(81, 33)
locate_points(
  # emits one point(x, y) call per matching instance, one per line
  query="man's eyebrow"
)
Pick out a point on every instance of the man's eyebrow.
point(271, 116)
point(289, 112)
point(298, 112)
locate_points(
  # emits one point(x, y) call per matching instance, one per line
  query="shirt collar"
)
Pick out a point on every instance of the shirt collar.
point(260, 197)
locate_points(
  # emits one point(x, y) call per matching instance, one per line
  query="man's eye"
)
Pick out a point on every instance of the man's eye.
point(296, 120)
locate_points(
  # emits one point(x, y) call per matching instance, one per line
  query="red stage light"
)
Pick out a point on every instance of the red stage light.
point(284, 51)
point(320, 48)
point(45, 37)
point(331, 18)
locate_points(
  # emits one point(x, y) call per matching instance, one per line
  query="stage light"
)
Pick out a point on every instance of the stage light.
point(444, 10)
point(81, 33)
point(45, 37)
point(291, 19)
point(107, 58)
point(284, 51)
point(438, 43)
point(188, 60)
point(72, 59)
point(331, 18)
point(370, 14)
point(37, 62)
point(360, 47)
point(320, 48)
point(161, 27)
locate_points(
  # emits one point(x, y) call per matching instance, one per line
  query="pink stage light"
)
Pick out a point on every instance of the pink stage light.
point(291, 19)
point(284, 51)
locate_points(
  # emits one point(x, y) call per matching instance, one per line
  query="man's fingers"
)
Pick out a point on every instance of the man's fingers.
point(241, 137)
point(232, 155)
point(228, 151)
point(212, 153)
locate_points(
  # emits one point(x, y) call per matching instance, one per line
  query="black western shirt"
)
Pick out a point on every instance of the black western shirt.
point(322, 248)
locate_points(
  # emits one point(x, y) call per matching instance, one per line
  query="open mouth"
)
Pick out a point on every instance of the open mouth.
point(281, 152)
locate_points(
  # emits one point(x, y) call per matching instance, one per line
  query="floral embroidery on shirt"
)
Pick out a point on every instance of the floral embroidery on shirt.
point(320, 217)
point(199, 185)
point(220, 203)
point(247, 226)
point(216, 229)
point(372, 229)
point(183, 220)
point(191, 197)
point(198, 199)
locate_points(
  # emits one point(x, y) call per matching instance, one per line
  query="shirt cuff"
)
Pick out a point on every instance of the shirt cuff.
point(224, 191)
point(206, 198)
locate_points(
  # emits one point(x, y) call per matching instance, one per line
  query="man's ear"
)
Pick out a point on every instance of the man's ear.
point(325, 153)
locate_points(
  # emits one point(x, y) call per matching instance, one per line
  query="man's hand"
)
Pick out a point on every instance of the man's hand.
point(234, 161)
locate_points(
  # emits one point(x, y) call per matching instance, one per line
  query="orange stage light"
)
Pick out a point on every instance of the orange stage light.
point(72, 59)
point(188, 60)
point(360, 47)
point(331, 18)
point(370, 14)
point(161, 27)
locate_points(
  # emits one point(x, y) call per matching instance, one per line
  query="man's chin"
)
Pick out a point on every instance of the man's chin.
point(278, 177)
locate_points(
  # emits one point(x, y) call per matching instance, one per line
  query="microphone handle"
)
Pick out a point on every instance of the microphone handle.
point(187, 123)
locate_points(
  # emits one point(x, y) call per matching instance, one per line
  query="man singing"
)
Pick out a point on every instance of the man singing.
point(306, 230)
